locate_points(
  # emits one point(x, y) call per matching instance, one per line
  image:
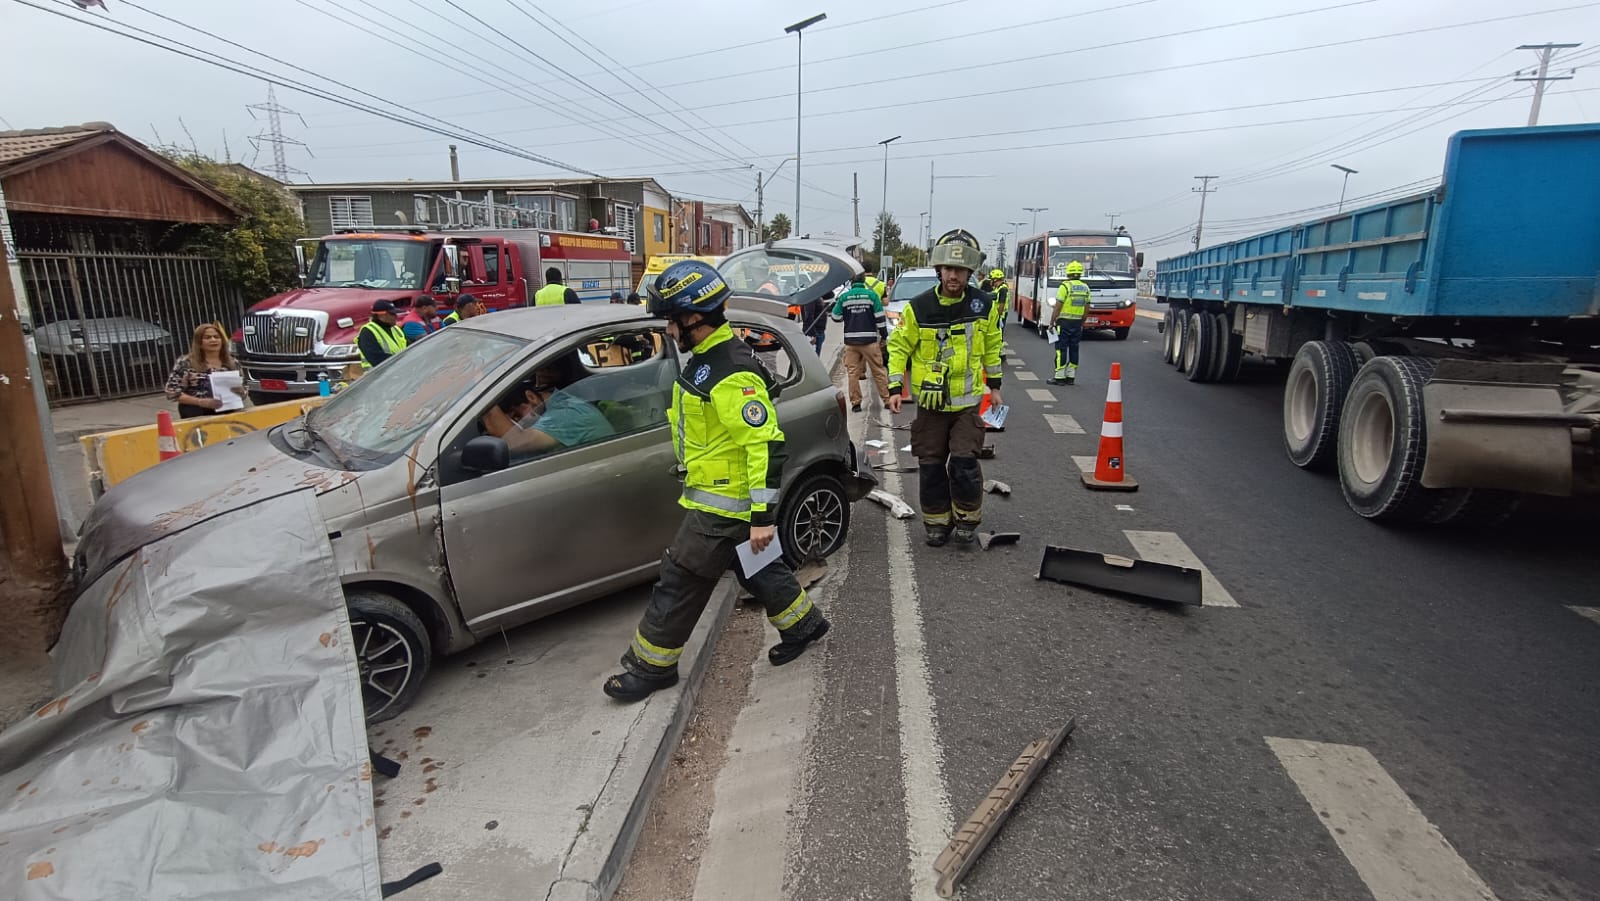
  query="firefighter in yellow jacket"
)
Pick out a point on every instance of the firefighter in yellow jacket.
point(950, 338)
point(728, 442)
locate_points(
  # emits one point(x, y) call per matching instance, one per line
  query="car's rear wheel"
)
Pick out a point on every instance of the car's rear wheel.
point(393, 652)
point(814, 519)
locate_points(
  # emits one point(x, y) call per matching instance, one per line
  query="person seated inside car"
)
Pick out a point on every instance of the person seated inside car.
point(543, 416)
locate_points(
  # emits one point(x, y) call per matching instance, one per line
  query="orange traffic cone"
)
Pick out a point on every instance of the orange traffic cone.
point(1109, 474)
point(166, 436)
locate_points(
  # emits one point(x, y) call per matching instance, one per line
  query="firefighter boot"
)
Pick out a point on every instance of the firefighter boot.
point(788, 649)
point(628, 686)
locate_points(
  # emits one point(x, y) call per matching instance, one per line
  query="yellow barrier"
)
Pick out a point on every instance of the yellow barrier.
point(114, 456)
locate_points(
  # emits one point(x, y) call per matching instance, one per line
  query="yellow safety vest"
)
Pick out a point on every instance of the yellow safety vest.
point(392, 339)
point(961, 333)
point(725, 432)
point(1074, 299)
point(552, 295)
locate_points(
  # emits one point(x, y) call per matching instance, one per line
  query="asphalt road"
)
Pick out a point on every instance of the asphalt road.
point(1447, 687)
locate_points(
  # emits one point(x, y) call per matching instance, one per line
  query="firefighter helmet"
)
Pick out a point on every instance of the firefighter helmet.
point(957, 248)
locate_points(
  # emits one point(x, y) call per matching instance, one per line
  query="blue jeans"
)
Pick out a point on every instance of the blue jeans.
point(1070, 333)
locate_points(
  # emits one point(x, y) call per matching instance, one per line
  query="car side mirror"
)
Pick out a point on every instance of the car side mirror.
point(1138, 260)
point(300, 264)
point(486, 453)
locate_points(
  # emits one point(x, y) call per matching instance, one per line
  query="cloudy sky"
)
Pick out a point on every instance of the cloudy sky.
point(1086, 107)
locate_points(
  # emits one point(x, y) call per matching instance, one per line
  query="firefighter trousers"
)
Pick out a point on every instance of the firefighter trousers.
point(946, 444)
point(702, 551)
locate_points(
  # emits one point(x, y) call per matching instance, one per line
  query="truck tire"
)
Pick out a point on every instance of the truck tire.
point(1219, 347)
point(1313, 398)
point(813, 520)
point(1234, 357)
point(1169, 336)
point(393, 652)
point(1198, 344)
point(1383, 442)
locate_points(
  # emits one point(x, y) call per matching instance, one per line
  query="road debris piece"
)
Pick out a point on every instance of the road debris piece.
point(1125, 575)
point(894, 467)
point(874, 443)
point(985, 539)
point(975, 834)
point(898, 508)
point(421, 874)
point(993, 486)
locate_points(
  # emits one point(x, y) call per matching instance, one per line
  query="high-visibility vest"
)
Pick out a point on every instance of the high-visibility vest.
point(1074, 299)
point(551, 295)
point(390, 338)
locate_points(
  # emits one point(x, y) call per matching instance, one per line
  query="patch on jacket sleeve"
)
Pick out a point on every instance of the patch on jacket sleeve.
point(755, 413)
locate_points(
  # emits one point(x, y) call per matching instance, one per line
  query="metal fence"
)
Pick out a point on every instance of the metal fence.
point(109, 325)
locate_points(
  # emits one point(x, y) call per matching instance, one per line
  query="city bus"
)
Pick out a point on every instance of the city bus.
point(1110, 263)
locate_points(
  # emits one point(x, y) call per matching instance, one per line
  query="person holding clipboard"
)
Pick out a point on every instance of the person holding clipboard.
point(191, 384)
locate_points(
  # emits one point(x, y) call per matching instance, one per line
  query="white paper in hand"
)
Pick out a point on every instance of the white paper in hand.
point(223, 385)
point(751, 562)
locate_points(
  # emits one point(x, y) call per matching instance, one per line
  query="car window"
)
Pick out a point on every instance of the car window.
point(381, 414)
point(773, 272)
point(592, 390)
point(491, 264)
point(772, 350)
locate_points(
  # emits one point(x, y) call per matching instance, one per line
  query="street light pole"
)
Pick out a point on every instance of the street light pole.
point(1015, 240)
point(883, 215)
point(1347, 173)
point(799, 63)
point(920, 221)
point(1035, 210)
point(931, 179)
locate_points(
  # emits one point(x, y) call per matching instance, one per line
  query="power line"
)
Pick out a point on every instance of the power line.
point(200, 55)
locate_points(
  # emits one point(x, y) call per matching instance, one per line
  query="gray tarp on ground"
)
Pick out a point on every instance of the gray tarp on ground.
point(207, 739)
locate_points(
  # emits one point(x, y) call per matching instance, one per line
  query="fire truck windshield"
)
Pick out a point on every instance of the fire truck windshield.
point(370, 263)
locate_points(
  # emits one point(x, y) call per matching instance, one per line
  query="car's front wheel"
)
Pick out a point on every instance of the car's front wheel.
point(393, 652)
point(814, 519)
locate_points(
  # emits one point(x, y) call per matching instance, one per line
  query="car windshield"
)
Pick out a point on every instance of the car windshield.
point(381, 414)
point(777, 272)
point(909, 286)
point(370, 263)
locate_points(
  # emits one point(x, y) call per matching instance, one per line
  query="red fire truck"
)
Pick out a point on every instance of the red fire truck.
point(288, 340)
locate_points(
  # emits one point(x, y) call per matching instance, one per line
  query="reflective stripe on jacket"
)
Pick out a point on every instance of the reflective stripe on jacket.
point(725, 432)
point(963, 333)
point(389, 337)
point(1073, 296)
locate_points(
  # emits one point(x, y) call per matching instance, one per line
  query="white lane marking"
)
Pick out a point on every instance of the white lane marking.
point(1064, 424)
point(1124, 508)
point(1394, 849)
point(1043, 395)
point(1167, 547)
point(1024, 376)
point(1085, 464)
point(1592, 613)
point(746, 839)
point(928, 824)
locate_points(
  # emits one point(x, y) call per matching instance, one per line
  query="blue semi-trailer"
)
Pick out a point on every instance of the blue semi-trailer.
point(1445, 346)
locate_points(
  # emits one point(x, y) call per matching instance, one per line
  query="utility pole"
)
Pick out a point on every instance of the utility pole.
point(1345, 185)
point(1035, 210)
point(930, 209)
point(1546, 53)
point(33, 568)
point(1112, 225)
point(281, 170)
point(1204, 189)
point(761, 229)
point(855, 201)
point(455, 164)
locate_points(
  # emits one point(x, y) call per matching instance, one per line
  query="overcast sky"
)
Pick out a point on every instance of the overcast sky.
point(1026, 93)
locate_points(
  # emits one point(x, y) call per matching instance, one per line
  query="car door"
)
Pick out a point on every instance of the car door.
point(488, 282)
point(562, 526)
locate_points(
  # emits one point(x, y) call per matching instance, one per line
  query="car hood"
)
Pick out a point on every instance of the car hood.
point(189, 490)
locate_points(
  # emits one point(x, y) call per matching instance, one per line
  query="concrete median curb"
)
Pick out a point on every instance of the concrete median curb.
point(599, 854)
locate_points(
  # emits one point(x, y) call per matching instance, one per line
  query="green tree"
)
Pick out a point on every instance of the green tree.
point(889, 230)
point(257, 252)
point(777, 229)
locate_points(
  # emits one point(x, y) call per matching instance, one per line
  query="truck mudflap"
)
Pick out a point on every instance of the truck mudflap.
point(1511, 426)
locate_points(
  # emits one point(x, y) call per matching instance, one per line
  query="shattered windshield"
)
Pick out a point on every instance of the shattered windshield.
point(382, 413)
point(370, 263)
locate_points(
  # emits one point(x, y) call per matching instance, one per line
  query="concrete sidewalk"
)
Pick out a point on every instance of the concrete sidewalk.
point(71, 423)
point(520, 777)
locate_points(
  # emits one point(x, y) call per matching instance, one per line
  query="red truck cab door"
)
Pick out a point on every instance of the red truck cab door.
point(486, 274)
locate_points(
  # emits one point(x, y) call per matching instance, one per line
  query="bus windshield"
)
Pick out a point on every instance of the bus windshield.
point(370, 263)
point(1099, 263)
